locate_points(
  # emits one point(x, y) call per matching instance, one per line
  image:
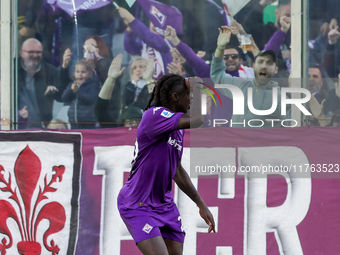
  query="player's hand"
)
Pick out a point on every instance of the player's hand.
point(208, 218)
point(193, 82)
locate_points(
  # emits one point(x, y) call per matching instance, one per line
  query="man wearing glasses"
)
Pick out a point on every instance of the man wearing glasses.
point(259, 90)
point(232, 58)
point(38, 86)
point(233, 63)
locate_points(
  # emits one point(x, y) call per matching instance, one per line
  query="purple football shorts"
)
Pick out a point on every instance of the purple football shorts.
point(147, 223)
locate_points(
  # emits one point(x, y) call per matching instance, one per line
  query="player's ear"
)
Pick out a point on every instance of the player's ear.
point(174, 97)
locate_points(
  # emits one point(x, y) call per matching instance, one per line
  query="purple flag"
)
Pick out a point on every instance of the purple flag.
point(219, 10)
point(70, 6)
point(162, 15)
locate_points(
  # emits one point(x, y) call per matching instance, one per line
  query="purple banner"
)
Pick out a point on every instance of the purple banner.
point(162, 15)
point(79, 5)
point(59, 191)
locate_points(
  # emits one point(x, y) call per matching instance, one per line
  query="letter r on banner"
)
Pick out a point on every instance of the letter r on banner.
point(282, 220)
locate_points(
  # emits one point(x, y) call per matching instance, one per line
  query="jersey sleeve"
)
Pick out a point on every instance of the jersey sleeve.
point(159, 121)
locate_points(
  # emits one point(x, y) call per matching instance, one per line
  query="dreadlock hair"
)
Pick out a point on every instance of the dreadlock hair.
point(163, 89)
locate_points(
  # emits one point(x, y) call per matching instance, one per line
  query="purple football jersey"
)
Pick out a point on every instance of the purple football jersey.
point(158, 149)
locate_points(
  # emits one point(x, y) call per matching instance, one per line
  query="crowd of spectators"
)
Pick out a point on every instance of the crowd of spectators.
point(70, 60)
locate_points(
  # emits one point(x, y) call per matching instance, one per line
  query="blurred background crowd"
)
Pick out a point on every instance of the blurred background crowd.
point(95, 67)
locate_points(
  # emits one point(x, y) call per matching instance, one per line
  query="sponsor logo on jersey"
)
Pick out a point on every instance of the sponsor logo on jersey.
point(147, 228)
point(175, 143)
point(166, 114)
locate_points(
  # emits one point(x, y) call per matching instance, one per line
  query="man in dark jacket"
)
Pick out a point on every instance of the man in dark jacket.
point(38, 86)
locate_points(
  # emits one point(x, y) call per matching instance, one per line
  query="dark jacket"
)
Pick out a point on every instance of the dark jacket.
point(133, 110)
point(129, 96)
point(331, 60)
point(48, 75)
point(81, 111)
point(102, 68)
point(106, 113)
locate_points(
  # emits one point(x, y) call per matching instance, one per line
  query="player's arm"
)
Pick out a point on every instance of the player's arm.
point(195, 118)
point(183, 181)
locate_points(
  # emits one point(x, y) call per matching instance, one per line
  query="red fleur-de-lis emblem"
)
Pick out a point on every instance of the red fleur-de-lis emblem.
point(27, 171)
